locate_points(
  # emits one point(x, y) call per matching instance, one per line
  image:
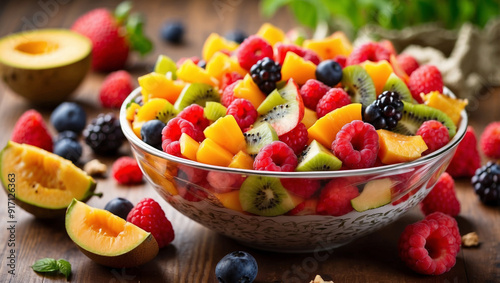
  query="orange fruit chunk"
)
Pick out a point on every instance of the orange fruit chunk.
point(247, 89)
point(449, 105)
point(334, 45)
point(397, 148)
point(271, 34)
point(226, 132)
point(192, 73)
point(297, 68)
point(379, 72)
point(189, 146)
point(241, 160)
point(155, 85)
point(209, 152)
point(214, 43)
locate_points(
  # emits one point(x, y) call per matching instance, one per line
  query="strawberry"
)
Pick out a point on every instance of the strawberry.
point(115, 88)
point(31, 129)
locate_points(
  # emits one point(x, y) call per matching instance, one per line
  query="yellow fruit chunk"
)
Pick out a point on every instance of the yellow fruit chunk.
point(192, 73)
point(247, 89)
point(226, 132)
point(326, 128)
point(242, 160)
point(328, 48)
point(147, 112)
point(449, 105)
point(188, 146)
point(132, 110)
point(379, 72)
point(271, 34)
point(396, 148)
point(297, 68)
point(230, 200)
point(220, 64)
point(211, 153)
point(310, 117)
point(215, 43)
point(155, 85)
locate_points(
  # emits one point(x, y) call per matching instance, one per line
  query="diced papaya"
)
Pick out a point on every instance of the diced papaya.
point(247, 89)
point(226, 132)
point(215, 43)
point(271, 34)
point(397, 148)
point(209, 152)
point(297, 68)
point(155, 85)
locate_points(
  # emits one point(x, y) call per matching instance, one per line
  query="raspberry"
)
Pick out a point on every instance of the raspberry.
point(276, 156)
point(104, 134)
point(228, 94)
point(222, 182)
point(335, 198)
point(302, 187)
point(31, 129)
point(283, 49)
point(356, 145)
point(266, 73)
point(341, 59)
point(228, 79)
point(385, 112)
point(148, 215)
point(126, 171)
point(430, 246)
point(253, 49)
point(466, 159)
point(172, 132)
point(333, 99)
point(296, 139)
point(408, 63)
point(490, 140)
point(312, 91)
point(486, 183)
point(243, 112)
point(194, 113)
point(442, 197)
point(115, 88)
point(371, 51)
point(425, 79)
point(435, 135)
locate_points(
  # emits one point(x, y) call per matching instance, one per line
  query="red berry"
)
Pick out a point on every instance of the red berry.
point(283, 49)
point(30, 128)
point(408, 63)
point(442, 197)
point(333, 99)
point(228, 79)
point(148, 215)
point(222, 182)
point(371, 51)
point(466, 159)
point(341, 59)
point(252, 50)
point(228, 94)
point(450, 222)
point(115, 88)
point(126, 171)
point(302, 187)
point(356, 145)
point(312, 91)
point(110, 47)
point(243, 112)
point(490, 140)
point(335, 198)
point(276, 156)
point(425, 79)
point(430, 246)
point(194, 113)
point(195, 60)
point(296, 139)
point(172, 132)
point(434, 134)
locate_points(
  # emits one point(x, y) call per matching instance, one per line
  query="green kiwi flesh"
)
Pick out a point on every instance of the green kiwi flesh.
point(196, 93)
point(316, 157)
point(166, 65)
point(258, 137)
point(414, 115)
point(265, 196)
point(272, 100)
point(214, 110)
point(166, 113)
point(396, 84)
point(359, 85)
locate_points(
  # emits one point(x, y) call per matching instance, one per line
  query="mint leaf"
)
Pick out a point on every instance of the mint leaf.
point(45, 265)
point(64, 267)
point(137, 39)
point(269, 7)
point(122, 11)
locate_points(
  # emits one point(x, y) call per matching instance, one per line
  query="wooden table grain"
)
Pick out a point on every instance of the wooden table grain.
point(196, 250)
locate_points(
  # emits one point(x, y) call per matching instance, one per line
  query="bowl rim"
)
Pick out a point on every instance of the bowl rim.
point(380, 170)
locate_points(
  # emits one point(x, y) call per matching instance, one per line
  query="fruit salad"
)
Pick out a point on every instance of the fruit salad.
point(269, 104)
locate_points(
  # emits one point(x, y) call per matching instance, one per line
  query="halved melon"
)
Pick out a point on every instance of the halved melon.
point(108, 239)
point(44, 183)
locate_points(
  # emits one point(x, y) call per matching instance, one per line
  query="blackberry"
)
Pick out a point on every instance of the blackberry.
point(385, 111)
point(486, 183)
point(104, 134)
point(265, 73)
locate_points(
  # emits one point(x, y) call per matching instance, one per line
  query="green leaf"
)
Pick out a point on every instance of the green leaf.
point(269, 7)
point(122, 11)
point(137, 39)
point(45, 265)
point(64, 267)
point(305, 12)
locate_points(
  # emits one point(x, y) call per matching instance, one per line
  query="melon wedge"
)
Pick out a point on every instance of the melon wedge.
point(108, 239)
point(44, 183)
point(376, 193)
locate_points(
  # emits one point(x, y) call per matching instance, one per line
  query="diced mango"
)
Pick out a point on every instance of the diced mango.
point(189, 146)
point(247, 89)
point(155, 85)
point(192, 73)
point(297, 68)
point(450, 106)
point(209, 152)
point(310, 117)
point(397, 148)
point(147, 112)
point(242, 160)
point(220, 64)
point(379, 72)
point(215, 43)
point(328, 48)
point(132, 110)
point(271, 34)
point(230, 200)
point(226, 132)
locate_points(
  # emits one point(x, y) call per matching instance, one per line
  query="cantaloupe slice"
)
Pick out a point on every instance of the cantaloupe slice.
point(226, 132)
point(396, 148)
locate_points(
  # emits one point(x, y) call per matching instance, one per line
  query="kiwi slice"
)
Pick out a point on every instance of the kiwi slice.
point(258, 137)
point(414, 115)
point(265, 196)
point(316, 157)
point(396, 84)
point(165, 65)
point(166, 113)
point(359, 85)
point(214, 110)
point(196, 93)
point(273, 99)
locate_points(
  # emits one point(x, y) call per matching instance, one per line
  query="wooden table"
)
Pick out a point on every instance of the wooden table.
point(196, 250)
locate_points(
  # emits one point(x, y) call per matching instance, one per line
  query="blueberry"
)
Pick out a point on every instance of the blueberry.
point(329, 72)
point(202, 64)
point(68, 116)
point(236, 267)
point(236, 36)
point(172, 32)
point(69, 149)
point(151, 133)
point(119, 207)
point(66, 135)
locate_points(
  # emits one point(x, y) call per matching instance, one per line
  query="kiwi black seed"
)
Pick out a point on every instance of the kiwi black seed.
point(359, 85)
point(265, 196)
point(196, 93)
point(166, 113)
point(414, 115)
point(258, 137)
point(396, 84)
point(316, 157)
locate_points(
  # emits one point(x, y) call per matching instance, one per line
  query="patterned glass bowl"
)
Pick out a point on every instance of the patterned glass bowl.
point(183, 184)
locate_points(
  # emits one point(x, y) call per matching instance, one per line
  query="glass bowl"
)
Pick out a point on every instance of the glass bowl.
point(186, 186)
